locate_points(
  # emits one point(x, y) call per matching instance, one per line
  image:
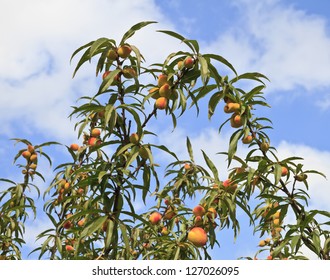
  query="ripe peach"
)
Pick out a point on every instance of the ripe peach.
point(95, 132)
point(67, 225)
point(247, 139)
point(67, 185)
point(124, 51)
point(285, 171)
point(134, 138)
point(69, 248)
point(161, 103)
point(26, 154)
point(155, 218)
point(74, 147)
point(188, 62)
point(236, 120)
point(277, 215)
point(92, 141)
point(199, 210)
point(30, 148)
point(231, 107)
point(81, 222)
point(229, 185)
point(162, 79)
point(197, 236)
point(165, 90)
point(262, 243)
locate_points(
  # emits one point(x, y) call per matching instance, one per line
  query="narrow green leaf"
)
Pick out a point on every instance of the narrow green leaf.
point(133, 29)
point(109, 233)
point(222, 60)
point(190, 150)
point(96, 45)
point(211, 165)
point(233, 144)
point(277, 173)
point(205, 73)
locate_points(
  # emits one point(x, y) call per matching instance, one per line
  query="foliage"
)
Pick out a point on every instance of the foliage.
point(91, 200)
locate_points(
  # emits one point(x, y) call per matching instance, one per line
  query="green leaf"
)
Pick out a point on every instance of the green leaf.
point(180, 37)
point(222, 60)
point(133, 29)
point(106, 83)
point(109, 233)
point(190, 150)
point(212, 167)
point(205, 73)
point(94, 226)
point(213, 102)
point(251, 76)
point(233, 144)
point(277, 173)
point(96, 45)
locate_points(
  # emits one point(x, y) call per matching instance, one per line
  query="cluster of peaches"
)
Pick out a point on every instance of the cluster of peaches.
point(67, 225)
point(165, 89)
point(32, 159)
point(123, 52)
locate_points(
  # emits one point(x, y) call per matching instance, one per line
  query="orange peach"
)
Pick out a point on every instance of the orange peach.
point(197, 236)
point(199, 210)
point(161, 103)
point(155, 218)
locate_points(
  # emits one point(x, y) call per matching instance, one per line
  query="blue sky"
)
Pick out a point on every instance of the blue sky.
point(287, 40)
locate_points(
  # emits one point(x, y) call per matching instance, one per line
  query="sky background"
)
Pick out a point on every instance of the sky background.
point(287, 40)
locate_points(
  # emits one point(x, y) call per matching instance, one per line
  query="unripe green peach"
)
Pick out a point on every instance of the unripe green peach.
point(161, 103)
point(129, 73)
point(264, 146)
point(134, 138)
point(112, 54)
point(301, 177)
point(124, 51)
point(143, 152)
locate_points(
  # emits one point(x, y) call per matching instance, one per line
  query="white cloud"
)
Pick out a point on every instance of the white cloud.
point(288, 45)
point(38, 40)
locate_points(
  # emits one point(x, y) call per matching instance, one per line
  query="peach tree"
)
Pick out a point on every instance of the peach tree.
point(91, 201)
